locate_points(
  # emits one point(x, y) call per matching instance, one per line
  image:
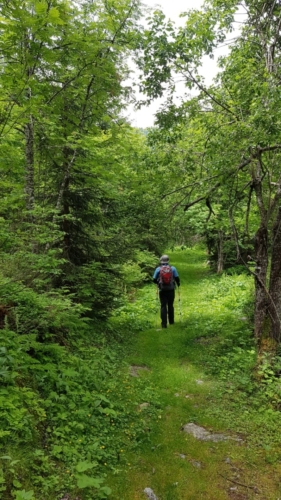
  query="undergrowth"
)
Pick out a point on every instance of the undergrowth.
point(248, 397)
point(71, 412)
point(206, 370)
point(69, 407)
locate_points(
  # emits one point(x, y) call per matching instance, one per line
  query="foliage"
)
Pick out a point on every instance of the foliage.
point(137, 312)
point(205, 370)
point(79, 226)
point(223, 144)
point(248, 392)
point(72, 409)
point(72, 168)
point(88, 204)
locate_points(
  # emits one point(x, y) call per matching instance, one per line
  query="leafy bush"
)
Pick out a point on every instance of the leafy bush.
point(248, 393)
point(44, 314)
point(136, 314)
point(72, 407)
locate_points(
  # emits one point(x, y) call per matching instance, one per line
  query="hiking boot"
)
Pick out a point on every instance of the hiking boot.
point(164, 326)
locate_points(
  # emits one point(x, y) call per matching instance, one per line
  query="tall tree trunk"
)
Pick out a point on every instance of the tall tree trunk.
point(28, 129)
point(261, 257)
point(220, 262)
point(29, 165)
point(65, 222)
point(275, 280)
point(62, 205)
point(261, 251)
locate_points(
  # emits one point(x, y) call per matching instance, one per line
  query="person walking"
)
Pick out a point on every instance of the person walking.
point(166, 277)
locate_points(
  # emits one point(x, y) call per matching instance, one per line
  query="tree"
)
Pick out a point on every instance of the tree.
point(65, 145)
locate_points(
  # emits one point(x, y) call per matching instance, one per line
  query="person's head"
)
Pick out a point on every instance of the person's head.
point(164, 259)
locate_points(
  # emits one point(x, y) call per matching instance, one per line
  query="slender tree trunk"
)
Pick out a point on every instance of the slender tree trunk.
point(275, 281)
point(65, 222)
point(29, 129)
point(220, 253)
point(261, 302)
point(62, 201)
point(69, 157)
point(29, 164)
point(261, 252)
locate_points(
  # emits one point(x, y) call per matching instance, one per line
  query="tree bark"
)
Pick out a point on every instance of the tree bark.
point(62, 205)
point(29, 165)
point(275, 280)
point(220, 253)
point(261, 258)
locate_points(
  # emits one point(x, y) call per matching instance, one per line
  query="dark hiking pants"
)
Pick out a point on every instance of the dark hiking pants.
point(167, 298)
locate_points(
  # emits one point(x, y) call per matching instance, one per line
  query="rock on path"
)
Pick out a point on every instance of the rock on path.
point(150, 494)
point(204, 435)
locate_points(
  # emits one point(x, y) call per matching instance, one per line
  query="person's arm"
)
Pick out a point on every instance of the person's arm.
point(176, 276)
point(156, 276)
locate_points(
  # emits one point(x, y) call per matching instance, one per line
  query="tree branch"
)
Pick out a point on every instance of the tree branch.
point(207, 93)
point(188, 186)
point(201, 198)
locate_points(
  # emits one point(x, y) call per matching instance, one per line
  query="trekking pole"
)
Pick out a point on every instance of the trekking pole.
point(179, 295)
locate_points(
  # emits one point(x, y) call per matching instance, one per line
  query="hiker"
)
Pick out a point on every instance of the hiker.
point(166, 277)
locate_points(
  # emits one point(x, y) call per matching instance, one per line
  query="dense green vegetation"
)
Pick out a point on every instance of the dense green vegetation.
point(204, 370)
point(88, 203)
point(223, 146)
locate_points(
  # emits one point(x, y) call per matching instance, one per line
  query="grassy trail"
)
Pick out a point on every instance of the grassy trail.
point(172, 463)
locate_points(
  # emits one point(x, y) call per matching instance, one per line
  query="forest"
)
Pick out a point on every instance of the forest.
point(88, 205)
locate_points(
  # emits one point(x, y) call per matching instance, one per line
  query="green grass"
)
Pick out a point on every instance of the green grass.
point(211, 343)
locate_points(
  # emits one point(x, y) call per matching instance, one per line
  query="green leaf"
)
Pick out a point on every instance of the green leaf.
point(40, 8)
point(54, 16)
point(57, 449)
point(83, 466)
point(24, 495)
point(17, 484)
point(106, 490)
point(84, 481)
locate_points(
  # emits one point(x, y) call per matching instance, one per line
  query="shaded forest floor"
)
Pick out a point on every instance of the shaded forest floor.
point(202, 370)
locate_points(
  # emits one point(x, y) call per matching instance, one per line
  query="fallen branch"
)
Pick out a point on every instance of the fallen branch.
point(240, 484)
